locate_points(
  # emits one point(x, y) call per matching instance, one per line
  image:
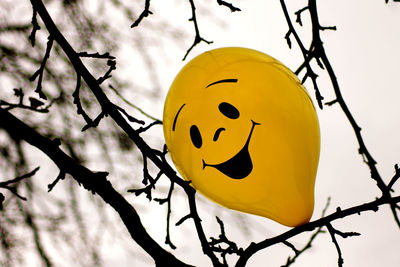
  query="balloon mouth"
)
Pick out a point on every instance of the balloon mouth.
point(240, 165)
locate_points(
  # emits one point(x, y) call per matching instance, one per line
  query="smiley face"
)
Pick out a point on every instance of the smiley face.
point(238, 166)
point(240, 126)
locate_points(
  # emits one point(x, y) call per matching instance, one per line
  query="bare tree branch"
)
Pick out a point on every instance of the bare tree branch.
point(370, 206)
point(96, 182)
point(110, 109)
point(197, 37)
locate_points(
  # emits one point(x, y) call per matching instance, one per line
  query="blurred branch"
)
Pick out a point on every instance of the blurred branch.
point(18, 179)
point(197, 37)
point(6, 184)
point(95, 182)
point(15, 28)
point(133, 105)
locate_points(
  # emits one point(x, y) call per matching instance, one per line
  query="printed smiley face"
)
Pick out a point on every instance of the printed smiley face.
point(243, 130)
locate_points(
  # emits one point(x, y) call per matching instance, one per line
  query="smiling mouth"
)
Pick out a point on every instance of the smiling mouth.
point(240, 165)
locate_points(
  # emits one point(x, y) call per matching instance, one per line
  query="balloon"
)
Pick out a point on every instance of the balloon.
point(240, 126)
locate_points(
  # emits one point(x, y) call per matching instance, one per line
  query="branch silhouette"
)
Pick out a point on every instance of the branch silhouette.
point(95, 182)
point(111, 110)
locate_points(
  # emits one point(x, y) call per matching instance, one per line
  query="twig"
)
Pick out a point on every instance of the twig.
point(146, 12)
point(61, 176)
point(197, 37)
point(169, 201)
point(143, 129)
point(94, 123)
point(35, 27)
point(228, 5)
point(6, 184)
point(133, 105)
point(370, 206)
point(77, 100)
point(222, 240)
point(291, 260)
point(332, 232)
point(306, 64)
point(298, 15)
point(147, 190)
point(33, 107)
point(39, 72)
point(112, 66)
point(395, 177)
point(129, 117)
point(96, 55)
point(19, 178)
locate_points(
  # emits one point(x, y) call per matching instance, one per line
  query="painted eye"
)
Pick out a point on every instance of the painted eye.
point(228, 110)
point(195, 136)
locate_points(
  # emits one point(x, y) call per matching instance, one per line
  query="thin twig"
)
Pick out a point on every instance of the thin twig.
point(370, 206)
point(228, 5)
point(133, 105)
point(197, 37)
point(39, 72)
point(96, 55)
point(6, 184)
point(331, 231)
point(19, 178)
point(309, 71)
point(146, 12)
point(35, 27)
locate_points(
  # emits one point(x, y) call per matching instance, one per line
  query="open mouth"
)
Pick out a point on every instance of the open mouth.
point(240, 165)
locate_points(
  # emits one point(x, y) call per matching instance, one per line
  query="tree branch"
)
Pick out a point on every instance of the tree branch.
point(146, 12)
point(115, 114)
point(197, 37)
point(309, 71)
point(370, 206)
point(96, 182)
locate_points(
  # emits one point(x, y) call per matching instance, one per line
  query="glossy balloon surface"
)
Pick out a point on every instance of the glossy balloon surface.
point(240, 126)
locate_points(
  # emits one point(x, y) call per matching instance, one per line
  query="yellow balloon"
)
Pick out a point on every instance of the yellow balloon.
point(240, 126)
